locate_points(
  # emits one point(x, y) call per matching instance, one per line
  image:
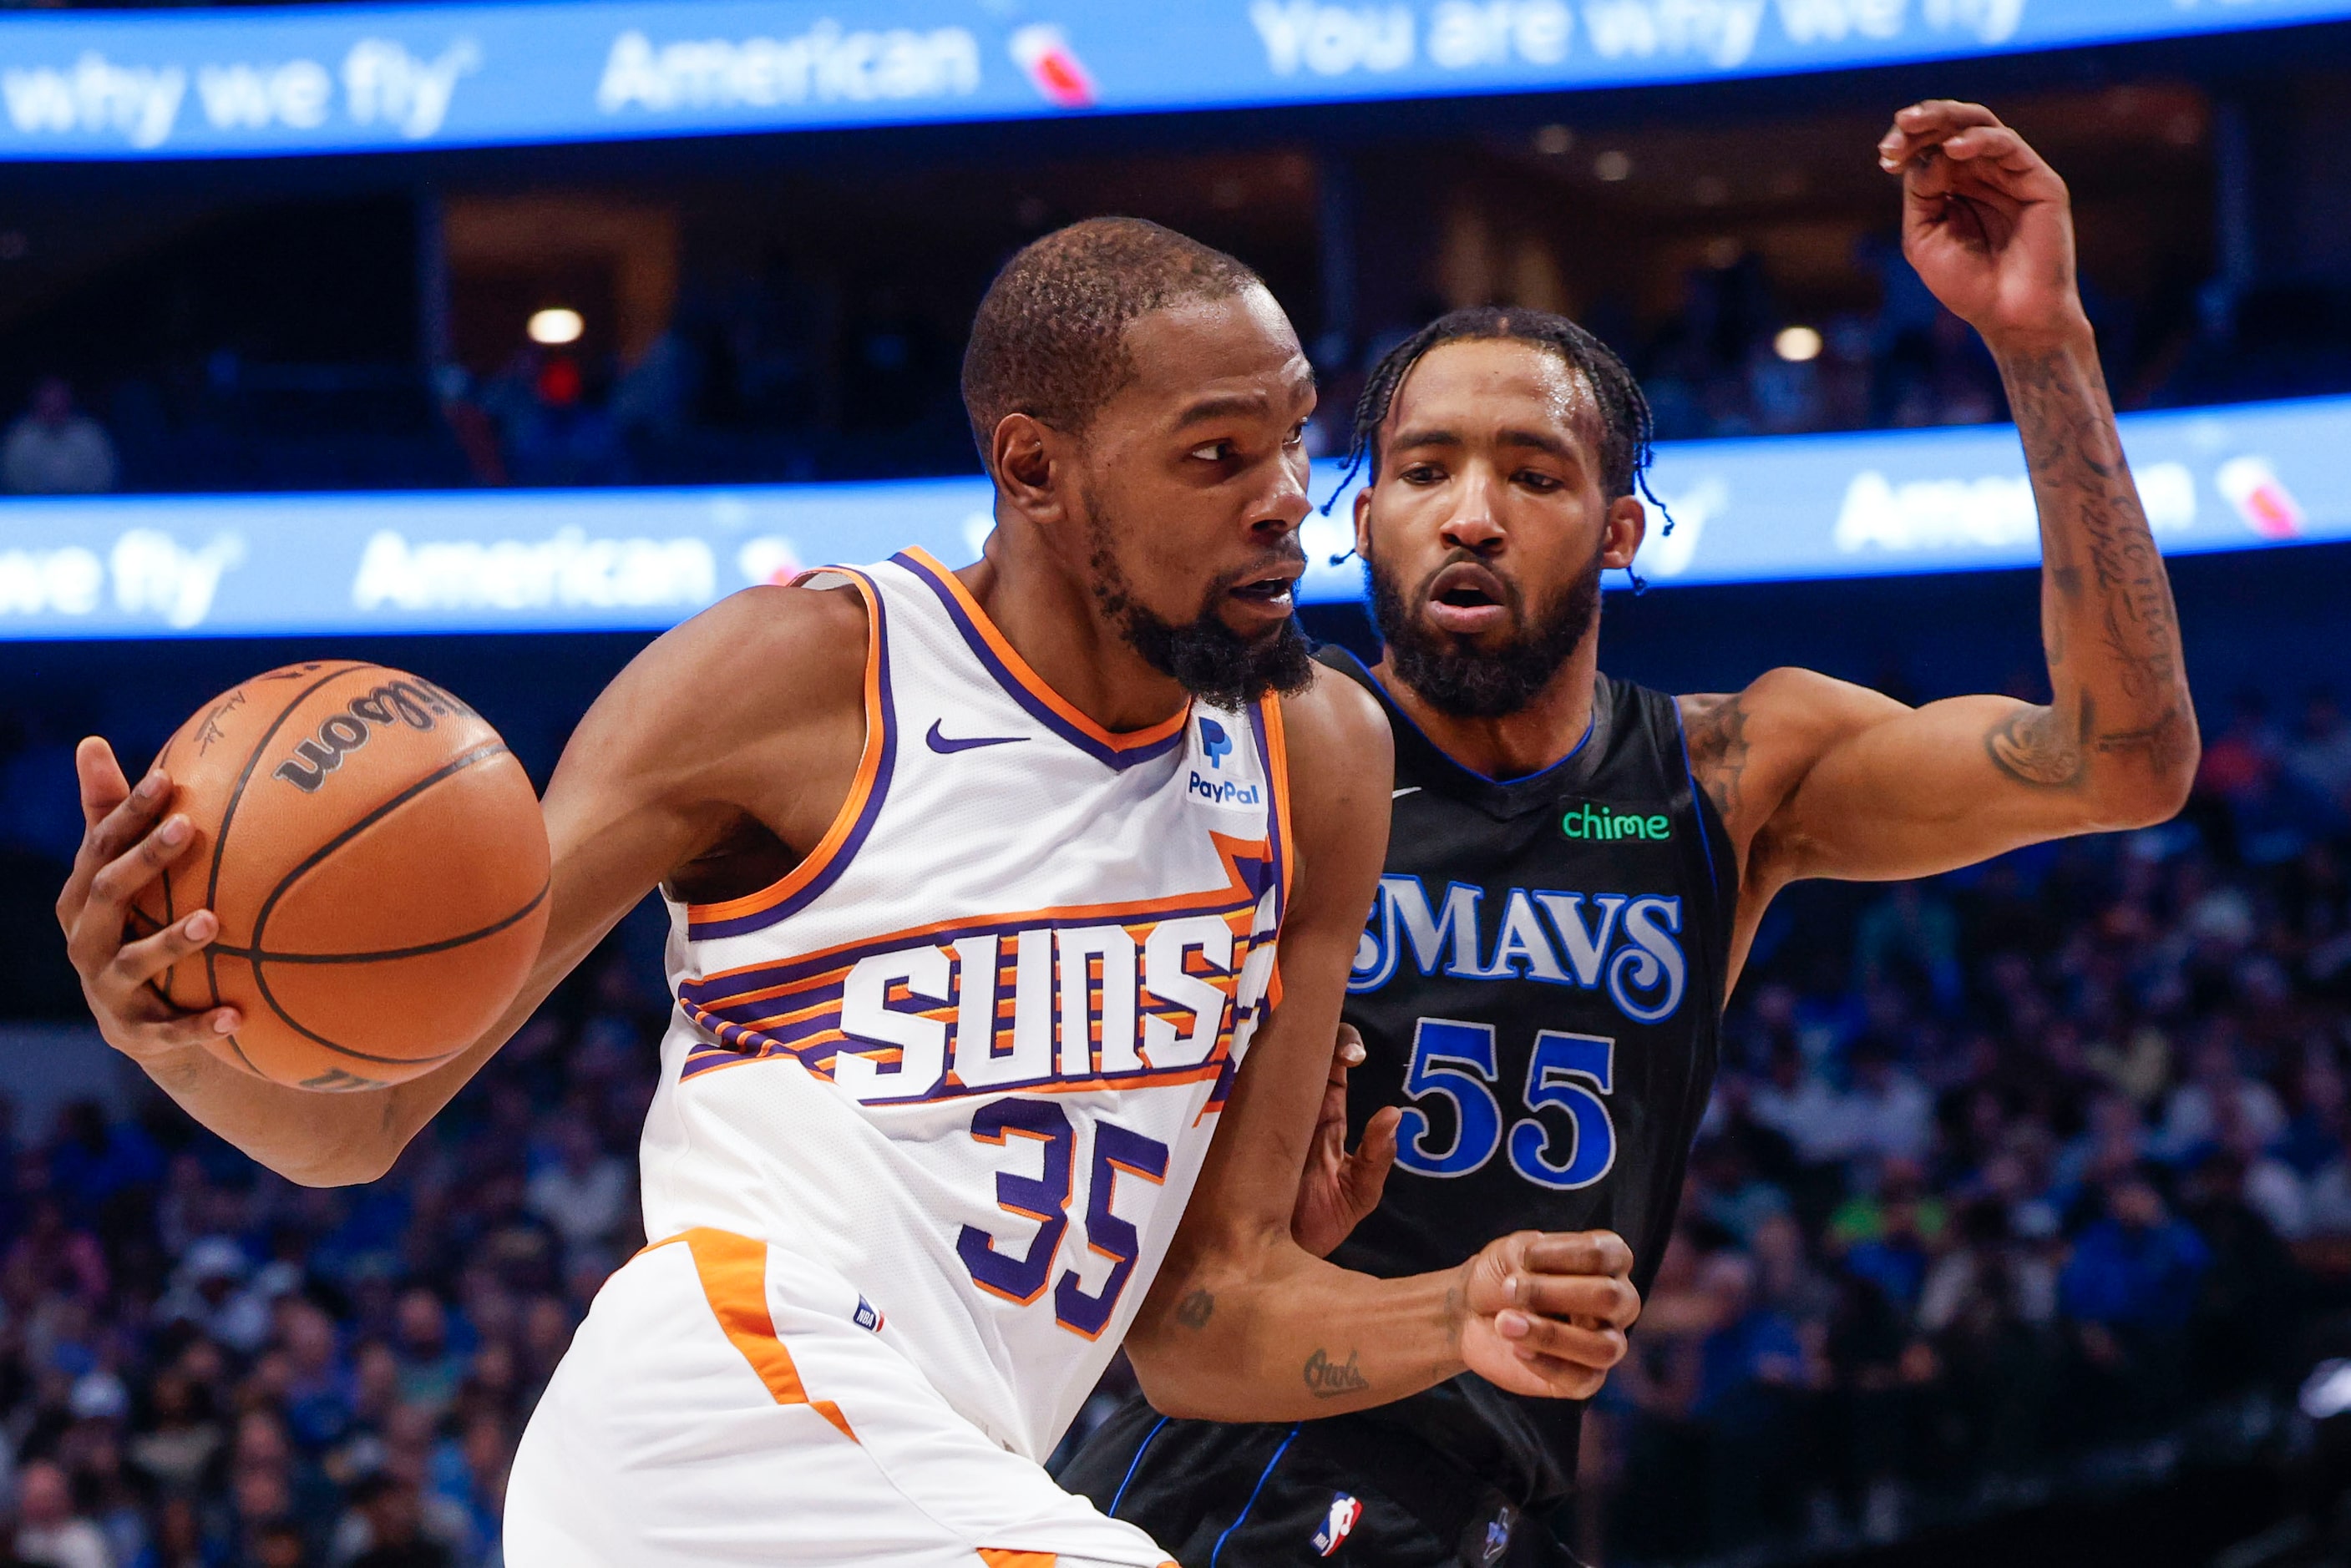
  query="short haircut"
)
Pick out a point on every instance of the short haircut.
point(1625, 430)
point(1049, 340)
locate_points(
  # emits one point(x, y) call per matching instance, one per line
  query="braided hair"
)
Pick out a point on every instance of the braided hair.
point(1626, 429)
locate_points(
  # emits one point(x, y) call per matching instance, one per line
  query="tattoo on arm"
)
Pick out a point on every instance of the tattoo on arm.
point(1717, 730)
point(2109, 620)
point(1195, 1310)
point(1328, 1379)
point(2033, 746)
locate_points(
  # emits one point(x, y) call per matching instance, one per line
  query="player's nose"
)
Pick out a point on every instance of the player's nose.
point(1475, 521)
point(1284, 507)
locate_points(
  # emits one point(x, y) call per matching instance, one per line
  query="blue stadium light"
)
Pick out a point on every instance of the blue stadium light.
point(2253, 476)
point(351, 78)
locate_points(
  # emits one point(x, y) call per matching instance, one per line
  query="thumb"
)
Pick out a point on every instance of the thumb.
point(103, 787)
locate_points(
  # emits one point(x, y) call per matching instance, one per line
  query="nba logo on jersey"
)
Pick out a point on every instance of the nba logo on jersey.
point(1339, 1524)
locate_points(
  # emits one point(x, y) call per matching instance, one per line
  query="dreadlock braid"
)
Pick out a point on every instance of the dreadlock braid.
point(1626, 426)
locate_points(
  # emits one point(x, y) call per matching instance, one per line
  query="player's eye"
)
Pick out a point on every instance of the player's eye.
point(1214, 451)
point(1297, 436)
point(1420, 473)
point(1541, 483)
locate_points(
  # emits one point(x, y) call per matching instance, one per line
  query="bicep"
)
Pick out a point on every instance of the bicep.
point(1896, 791)
point(627, 803)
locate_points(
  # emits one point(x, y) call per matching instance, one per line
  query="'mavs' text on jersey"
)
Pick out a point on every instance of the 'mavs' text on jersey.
point(1627, 944)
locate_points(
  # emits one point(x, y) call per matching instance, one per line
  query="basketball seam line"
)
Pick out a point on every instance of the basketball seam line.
point(474, 758)
point(381, 955)
point(236, 797)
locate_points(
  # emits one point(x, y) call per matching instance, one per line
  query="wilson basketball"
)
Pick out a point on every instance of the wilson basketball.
point(376, 858)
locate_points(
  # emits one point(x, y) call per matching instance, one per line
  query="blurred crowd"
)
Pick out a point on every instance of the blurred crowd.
point(202, 1366)
point(776, 375)
point(2041, 1165)
point(2010, 1173)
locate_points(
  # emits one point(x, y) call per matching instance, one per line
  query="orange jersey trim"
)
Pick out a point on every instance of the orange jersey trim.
point(1018, 667)
point(734, 1274)
point(860, 788)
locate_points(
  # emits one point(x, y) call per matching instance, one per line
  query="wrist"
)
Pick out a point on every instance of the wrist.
point(2069, 332)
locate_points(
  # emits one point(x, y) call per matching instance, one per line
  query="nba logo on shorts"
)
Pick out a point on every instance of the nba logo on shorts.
point(1341, 1522)
point(865, 1317)
point(1215, 742)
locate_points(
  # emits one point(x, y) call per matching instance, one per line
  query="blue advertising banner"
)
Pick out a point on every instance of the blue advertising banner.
point(343, 78)
point(2255, 476)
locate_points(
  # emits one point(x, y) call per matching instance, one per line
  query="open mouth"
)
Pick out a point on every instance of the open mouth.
point(1271, 591)
point(1467, 596)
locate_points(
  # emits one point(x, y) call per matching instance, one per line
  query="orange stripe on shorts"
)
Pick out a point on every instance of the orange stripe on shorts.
point(734, 1271)
point(998, 1559)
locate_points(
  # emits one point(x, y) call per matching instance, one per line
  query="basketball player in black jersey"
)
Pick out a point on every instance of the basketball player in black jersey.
point(1577, 866)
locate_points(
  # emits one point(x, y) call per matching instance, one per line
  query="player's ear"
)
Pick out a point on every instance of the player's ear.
point(1024, 457)
point(1627, 526)
point(1363, 521)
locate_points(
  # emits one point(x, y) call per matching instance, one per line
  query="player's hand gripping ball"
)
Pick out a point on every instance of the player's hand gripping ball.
point(376, 859)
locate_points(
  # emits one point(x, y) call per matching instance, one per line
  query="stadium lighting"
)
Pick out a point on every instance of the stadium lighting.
point(556, 326)
point(1555, 140)
point(1797, 344)
point(1612, 166)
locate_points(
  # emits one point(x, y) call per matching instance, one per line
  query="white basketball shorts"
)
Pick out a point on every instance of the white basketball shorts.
point(723, 1404)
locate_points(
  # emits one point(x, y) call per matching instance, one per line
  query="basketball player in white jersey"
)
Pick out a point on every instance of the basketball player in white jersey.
point(975, 883)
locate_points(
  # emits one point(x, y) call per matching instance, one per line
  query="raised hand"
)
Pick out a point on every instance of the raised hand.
point(1337, 1189)
point(127, 842)
point(1986, 222)
point(1545, 1314)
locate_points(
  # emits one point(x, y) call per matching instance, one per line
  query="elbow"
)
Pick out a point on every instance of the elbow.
point(348, 1167)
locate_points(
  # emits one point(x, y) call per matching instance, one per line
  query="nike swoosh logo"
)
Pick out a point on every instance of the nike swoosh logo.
point(946, 745)
point(1400, 794)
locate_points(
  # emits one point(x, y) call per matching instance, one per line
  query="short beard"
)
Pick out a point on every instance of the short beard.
point(1463, 682)
point(1216, 664)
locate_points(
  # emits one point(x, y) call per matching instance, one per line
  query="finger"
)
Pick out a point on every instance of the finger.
point(1530, 1337)
point(1575, 1252)
point(102, 784)
point(1366, 1173)
point(97, 932)
point(2003, 159)
point(141, 962)
point(1347, 1052)
point(1921, 128)
point(1603, 1299)
point(183, 1031)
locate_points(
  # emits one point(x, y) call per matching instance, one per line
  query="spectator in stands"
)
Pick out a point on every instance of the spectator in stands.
point(53, 451)
point(52, 1533)
point(2130, 1289)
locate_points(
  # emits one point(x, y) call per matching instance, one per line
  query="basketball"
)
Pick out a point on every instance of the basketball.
point(376, 859)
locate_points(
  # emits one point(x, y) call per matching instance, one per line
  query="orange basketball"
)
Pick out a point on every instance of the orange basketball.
point(376, 858)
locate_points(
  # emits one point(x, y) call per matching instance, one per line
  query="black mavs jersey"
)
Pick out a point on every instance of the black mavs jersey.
point(1541, 987)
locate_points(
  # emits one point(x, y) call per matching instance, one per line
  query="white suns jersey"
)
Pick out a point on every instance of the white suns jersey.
point(968, 1055)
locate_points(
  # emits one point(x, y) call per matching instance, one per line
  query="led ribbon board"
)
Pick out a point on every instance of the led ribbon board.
point(347, 78)
point(2251, 477)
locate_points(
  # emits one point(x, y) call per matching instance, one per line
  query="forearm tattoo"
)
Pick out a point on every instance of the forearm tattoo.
point(2109, 623)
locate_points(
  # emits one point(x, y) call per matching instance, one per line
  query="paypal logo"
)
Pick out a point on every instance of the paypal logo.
point(1216, 742)
point(1629, 946)
point(1224, 792)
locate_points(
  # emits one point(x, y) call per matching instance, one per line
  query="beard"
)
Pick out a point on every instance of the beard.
point(1209, 660)
point(1464, 682)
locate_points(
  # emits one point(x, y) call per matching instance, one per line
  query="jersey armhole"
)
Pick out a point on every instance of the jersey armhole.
point(1276, 744)
point(850, 825)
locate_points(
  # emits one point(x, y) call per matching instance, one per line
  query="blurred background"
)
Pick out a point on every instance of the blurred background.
point(488, 341)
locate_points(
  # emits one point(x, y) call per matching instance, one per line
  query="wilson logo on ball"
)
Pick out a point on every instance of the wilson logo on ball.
point(415, 703)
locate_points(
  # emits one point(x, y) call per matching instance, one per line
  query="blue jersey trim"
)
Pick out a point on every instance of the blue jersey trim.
point(1141, 1449)
point(1218, 1549)
point(1590, 723)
